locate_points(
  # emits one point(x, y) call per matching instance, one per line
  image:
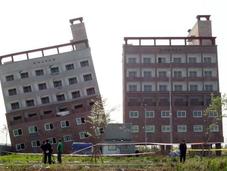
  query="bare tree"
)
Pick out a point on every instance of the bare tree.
point(5, 131)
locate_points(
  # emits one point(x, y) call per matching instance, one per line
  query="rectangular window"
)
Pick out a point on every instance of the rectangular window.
point(90, 91)
point(80, 121)
point(177, 60)
point(149, 128)
point(35, 143)
point(60, 97)
point(16, 118)
point(193, 87)
point(165, 128)
point(30, 103)
point(69, 67)
point(84, 63)
point(64, 124)
point(147, 74)
point(181, 128)
point(39, 72)
point(15, 105)
point(165, 114)
point(27, 89)
point(32, 129)
point(197, 128)
point(131, 60)
point(207, 60)
point(12, 92)
point(147, 88)
point(24, 75)
point(42, 86)
point(178, 87)
point(72, 80)
point(149, 114)
point(57, 84)
point(20, 147)
point(45, 100)
point(162, 87)
point(132, 74)
point(48, 126)
point(52, 140)
point(192, 74)
point(9, 77)
point(181, 114)
point(161, 60)
point(67, 138)
point(133, 114)
point(162, 74)
point(208, 74)
point(83, 135)
point(192, 60)
point(135, 128)
point(214, 128)
point(208, 87)
point(47, 112)
point(197, 114)
point(177, 74)
point(32, 115)
point(212, 114)
point(132, 87)
point(87, 77)
point(146, 60)
point(17, 132)
point(54, 70)
point(75, 94)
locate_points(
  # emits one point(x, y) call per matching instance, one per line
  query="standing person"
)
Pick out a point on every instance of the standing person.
point(183, 150)
point(48, 152)
point(43, 147)
point(59, 150)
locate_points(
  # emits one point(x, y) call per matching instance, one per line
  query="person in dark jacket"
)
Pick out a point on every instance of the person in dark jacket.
point(183, 150)
point(48, 152)
point(43, 147)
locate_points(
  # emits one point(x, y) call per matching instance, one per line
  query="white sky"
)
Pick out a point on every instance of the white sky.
point(30, 24)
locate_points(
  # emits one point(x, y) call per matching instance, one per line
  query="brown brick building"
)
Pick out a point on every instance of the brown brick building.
point(48, 92)
point(167, 84)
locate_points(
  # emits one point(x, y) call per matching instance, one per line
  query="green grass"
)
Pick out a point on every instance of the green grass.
point(25, 162)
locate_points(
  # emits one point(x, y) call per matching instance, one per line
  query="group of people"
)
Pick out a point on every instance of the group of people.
point(48, 151)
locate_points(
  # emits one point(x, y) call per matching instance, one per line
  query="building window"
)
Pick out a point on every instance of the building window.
point(133, 114)
point(149, 128)
point(197, 128)
point(162, 74)
point(12, 92)
point(16, 118)
point(52, 140)
point(162, 87)
point(192, 60)
point(27, 89)
point(178, 87)
point(90, 91)
point(132, 74)
point(80, 121)
point(78, 106)
point(64, 124)
point(75, 94)
point(135, 128)
point(132, 87)
point(32, 129)
point(45, 100)
point(54, 70)
point(147, 88)
point(9, 77)
point(193, 87)
point(146, 60)
point(83, 135)
point(30, 103)
point(60, 97)
point(208, 74)
point(32, 115)
point(214, 128)
point(72, 80)
point(69, 67)
point(35, 143)
point(177, 60)
point(67, 138)
point(20, 147)
point(57, 84)
point(181, 128)
point(17, 132)
point(48, 126)
point(165, 128)
point(149, 114)
point(207, 60)
point(192, 74)
point(132, 60)
point(161, 60)
point(24, 75)
point(197, 114)
point(39, 72)
point(147, 74)
point(177, 74)
point(181, 114)
point(165, 114)
point(87, 77)
point(84, 63)
point(47, 112)
point(42, 86)
point(208, 87)
point(15, 105)
point(212, 114)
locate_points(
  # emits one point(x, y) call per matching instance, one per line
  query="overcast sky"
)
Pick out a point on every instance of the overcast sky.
point(30, 24)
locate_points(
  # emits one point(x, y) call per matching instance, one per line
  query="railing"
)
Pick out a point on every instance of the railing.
point(42, 52)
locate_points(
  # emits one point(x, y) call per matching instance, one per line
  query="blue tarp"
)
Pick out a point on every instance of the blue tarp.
point(82, 148)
